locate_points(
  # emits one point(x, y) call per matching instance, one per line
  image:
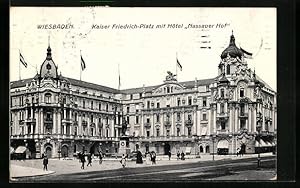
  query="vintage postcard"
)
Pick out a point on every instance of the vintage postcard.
point(107, 94)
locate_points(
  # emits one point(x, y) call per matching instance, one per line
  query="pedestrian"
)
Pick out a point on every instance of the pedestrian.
point(89, 159)
point(169, 154)
point(153, 157)
point(178, 155)
point(237, 152)
point(100, 157)
point(182, 156)
point(45, 162)
point(148, 158)
point(123, 161)
point(82, 159)
point(139, 158)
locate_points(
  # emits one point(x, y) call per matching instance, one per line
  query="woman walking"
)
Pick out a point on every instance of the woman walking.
point(123, 161)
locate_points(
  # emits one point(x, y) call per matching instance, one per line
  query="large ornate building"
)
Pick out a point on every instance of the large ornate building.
point(61, 116)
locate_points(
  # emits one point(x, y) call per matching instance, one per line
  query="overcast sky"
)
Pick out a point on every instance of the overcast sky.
point(144, 55)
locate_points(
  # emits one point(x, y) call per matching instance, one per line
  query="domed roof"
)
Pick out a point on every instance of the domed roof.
point(232, 49)
point(48, 68)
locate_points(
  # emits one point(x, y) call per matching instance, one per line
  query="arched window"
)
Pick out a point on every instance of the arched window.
point(207, 149)
point(201, 149)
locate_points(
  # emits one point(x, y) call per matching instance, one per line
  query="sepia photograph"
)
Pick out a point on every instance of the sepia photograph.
point(142, 94)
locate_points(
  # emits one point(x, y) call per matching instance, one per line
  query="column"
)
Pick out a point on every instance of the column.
point(42, 121)
point(96, 125)
point(263, 116)
point(254, 120)
point(230, 120)
point(172, 123)
point(214, 120)
point(31, 115)
point(113, 127)
point(250, 120)
point(88, 124)
point(65, 129)
point(79, 124)
point(236, 122)
point(152, 125)
point(209, 122)
point(194, 122)
point(31, 128)
point(198, 123)
point(54, 122)
point(182, 125)
point(59, 122)
point(65, 114)
point(142, 125)
point(36, 130)
point(26, 113)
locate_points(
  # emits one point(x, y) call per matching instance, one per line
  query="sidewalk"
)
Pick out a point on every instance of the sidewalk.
point(21, 171)
point(34, 167)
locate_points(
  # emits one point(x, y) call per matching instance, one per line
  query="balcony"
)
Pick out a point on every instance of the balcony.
point(84, 123)
point(243, 115)
point(48, 120)
point(67, 120)
point(222, 115)
point(147, 125)
point(222, 132)
point(30, 120)
point(189, 123)
point(167, 123)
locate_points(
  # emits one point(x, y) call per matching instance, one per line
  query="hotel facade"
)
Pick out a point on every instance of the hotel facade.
point(62, 116)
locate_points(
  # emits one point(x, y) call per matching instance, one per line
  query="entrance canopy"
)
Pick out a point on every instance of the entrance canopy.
point(20, 149)
point(263, 143)
point(223, 144)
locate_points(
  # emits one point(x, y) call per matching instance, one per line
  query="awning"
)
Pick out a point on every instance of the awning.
point(223, 144)
point(20, 149)
point(261, 144)
point(11, 150)
point(269, 144)
point(203, 131)
point(188, 150)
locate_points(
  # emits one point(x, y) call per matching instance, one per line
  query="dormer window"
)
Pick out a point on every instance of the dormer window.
point(228, 69)
point(168, 90)
point(222, 93)
point(48, 97)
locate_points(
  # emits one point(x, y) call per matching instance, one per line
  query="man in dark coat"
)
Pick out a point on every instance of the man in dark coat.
point(182, 156)
point(139, 158)
point(45, 162)
point(89, 159)
point(82, 159)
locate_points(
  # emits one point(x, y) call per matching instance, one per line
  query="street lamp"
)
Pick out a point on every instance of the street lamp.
point(59, 149)
point(213, 149)
point(258, 155)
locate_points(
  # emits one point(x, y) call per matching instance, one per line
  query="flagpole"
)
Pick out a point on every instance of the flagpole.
point(80, 65)
point(176, 66)
point(119, 76)
point(19, 65)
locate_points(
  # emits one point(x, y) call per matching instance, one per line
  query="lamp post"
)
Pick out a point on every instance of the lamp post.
point(59, 148)
point(213, 149)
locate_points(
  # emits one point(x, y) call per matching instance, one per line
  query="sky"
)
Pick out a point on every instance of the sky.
point(142, 55)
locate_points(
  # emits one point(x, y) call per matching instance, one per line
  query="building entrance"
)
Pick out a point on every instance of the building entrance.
point(167, 148)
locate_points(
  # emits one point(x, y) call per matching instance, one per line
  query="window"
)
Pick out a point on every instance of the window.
point(222, 108)
point(74, 151)
point(92, 105)
point(242, 123)
point(168, 132)
point(75, 131)
point(242, 92)
point(222, 93)
point(189, 131)
point(148, 104)
point(141, 95)
point(178, 116)
point(92, 131)
point(168, 90)
point(190, 100)
point(157, 132)
point(242, 109)
point(136, 119)
point(203, 116)
point(148, 120)
point(127, 109)
point(75, 117)
point(48, 98)
point(228, 69)
point(178, 131)
point(83, 104)
point(106, 107)
point(157, 117)
point(106, 120)
point(168, 117)
point(178, 102)
point(189, 117)
point(168, 106)
point(148, 133)
point(99, 106)
point(127, 119)
point(92, 118)
point(131, 97)
point(204, 101)
point(223, 125)
point(157, 105)
point(64, 100)
point(107, 132)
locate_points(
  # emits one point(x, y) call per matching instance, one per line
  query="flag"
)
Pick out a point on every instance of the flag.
point(82, 63)
point(119, 77)
point(246, 54)
point(22, 60)
point(178, 64)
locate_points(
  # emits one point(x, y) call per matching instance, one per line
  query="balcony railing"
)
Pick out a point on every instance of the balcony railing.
point(147, 124)
point(167, 123)
point(21, 122)
point(189, 123)
point(222, 131)
point(243, 115)
point(30, 120)
point(48, 120)
point(222, 114)
point(67, 120)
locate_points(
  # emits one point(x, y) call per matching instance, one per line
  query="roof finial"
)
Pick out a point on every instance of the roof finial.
point(49, 49)
point(48, 40)
point(232, 32)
